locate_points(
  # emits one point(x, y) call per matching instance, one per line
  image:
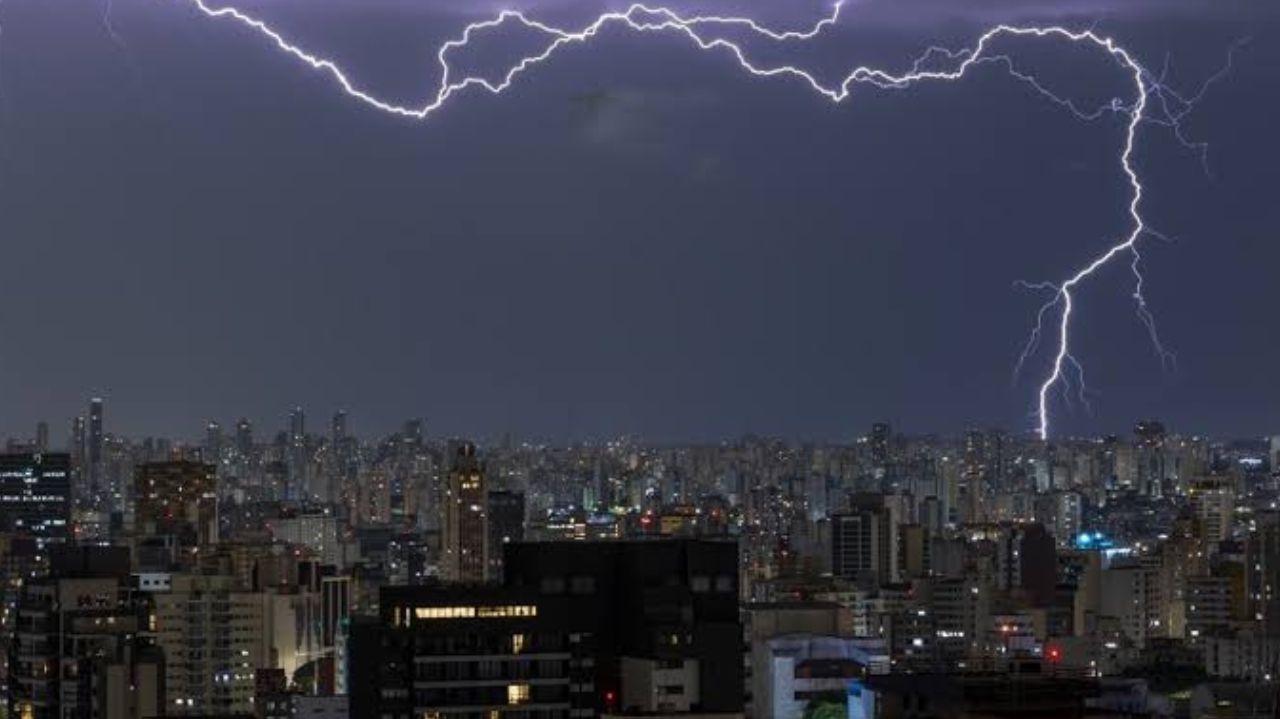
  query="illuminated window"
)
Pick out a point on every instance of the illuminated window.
point(510, 610)
point(501, 611)
point(517, 643)
point(517, 693)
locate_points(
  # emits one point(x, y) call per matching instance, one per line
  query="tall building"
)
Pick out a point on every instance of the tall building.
point(170, 496)
point(80, 647)
point(373, 498)
point(212, 442)
point(343, 466)
point(1213, 500)
point(1027, 561)
point(861, 545)
point(1149, 449)
point(93, 447)
point(339, 426)
point(244, 437)
point(297, 424)
point(80, 492)
point(577, 629)
point(981, 471)
point(297, 458)
point(42, 436)
point(415, 432)
point(1131, 595)
point(311, 527)
point(506, 525)
point(35, 495)
point(881, 434)
point(214, 635)
point(1264, 577)
point(464, 551)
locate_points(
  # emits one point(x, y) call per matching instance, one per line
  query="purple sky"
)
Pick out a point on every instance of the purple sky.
point(197, 227)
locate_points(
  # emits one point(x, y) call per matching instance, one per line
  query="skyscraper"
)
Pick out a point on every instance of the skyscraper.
point(1149, 448)
point(339, 427)
point(35, 495)
point(506, 525)
point(79, 473)
point(297, 453)
point(83, 650)
point(879, 440)
point(340, 455)
point(212, 442)
point(576, 630)
point(244, 437)
point(1275, 454)
point(297, 424)
point(76, 442)
point(42, 436)
point(415, 432)
point(170, 495)
point(94, 444)
point(465, 541)
point(861, 544)
point(1213, 500)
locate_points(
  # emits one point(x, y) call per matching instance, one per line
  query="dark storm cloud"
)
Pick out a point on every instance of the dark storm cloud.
point(926, 11)
point(636, 121)
point(903, 11)
point(221, 233)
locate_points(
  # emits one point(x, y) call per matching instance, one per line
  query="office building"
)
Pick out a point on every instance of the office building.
point(464, 550)
point(310, 527)
point(94, 445)
point(35, 495)
point(506, 525)
point(575, 630)
point(80, 647)
point(861, 545)
point(176, 497)
point(213, 442)
point(1213, 500)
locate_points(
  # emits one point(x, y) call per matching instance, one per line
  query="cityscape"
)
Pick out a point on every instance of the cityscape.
point(597, 359)
point(301, 570)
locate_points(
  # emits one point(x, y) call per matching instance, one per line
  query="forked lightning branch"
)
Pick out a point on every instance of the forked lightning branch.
point(935, 65)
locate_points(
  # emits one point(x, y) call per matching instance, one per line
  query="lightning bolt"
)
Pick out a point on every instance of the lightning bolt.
point(1173, 108)
point(108, 23)
point(107, 19)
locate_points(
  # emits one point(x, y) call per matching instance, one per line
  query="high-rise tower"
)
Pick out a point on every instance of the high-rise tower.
point(465, 542)
point(93, 446)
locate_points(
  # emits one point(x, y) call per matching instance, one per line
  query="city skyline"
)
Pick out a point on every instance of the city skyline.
point(89, 430)
point(585, 359)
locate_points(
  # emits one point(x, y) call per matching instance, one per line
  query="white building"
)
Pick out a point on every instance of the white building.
point(791, 670)
point(316, 530)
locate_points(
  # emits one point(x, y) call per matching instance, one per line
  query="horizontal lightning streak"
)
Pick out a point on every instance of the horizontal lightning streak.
point(643, 18)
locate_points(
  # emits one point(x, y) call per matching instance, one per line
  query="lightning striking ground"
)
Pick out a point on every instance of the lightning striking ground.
point(1173, 108)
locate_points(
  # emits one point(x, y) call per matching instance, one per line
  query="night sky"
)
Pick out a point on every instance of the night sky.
point(637, 239)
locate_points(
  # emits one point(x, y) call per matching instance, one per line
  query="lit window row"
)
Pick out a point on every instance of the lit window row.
point(483, 612)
